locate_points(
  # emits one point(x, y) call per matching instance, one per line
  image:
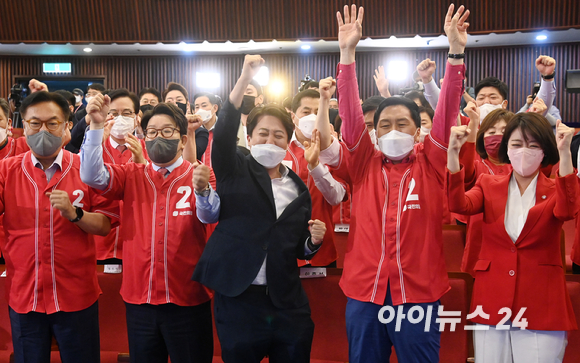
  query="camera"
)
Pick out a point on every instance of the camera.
point(16, 96)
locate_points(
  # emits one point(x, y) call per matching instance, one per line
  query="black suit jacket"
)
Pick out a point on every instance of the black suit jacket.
point(248, 229)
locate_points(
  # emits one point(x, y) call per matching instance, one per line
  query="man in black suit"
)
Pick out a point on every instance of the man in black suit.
point(264, 226)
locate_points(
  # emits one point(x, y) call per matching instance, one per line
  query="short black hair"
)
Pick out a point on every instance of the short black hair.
point(311, 84)
point(67, 96)
point(42, 97)
point(495, 83)
point(428, 110)
point(308, 93)
point(413, 95)
point(257, 86)
point(213, 99)
point(123, 92)
point(372, 103)
point(97, 86)
point(168, 109)
point(399, 101)
point(151, 90)
point(5, 107)
point(271, 110)
point(287, 103)
point(173, 86)
point(536, 126)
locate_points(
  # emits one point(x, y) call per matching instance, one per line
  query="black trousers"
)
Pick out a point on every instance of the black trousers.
point(250, 328)
point(184, 333)
point(77, 335)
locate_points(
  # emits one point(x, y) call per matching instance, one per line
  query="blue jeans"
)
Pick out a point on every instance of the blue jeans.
point(369, 340)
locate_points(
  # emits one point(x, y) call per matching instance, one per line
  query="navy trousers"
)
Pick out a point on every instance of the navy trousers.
point(369, 340)
point(77, 335)
point(184, 333)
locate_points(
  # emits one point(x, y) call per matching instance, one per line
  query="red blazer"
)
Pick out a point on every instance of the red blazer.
point(527, 273)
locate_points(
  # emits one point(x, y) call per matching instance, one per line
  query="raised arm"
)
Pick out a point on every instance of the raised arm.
point(354, 130)
point(93, 171)
point(459, 201)
point(546, 66)
point(190, 150)
point(448, 106)
point(382, 82)
point(327, 87)
point(426, 69)
point(225, 134)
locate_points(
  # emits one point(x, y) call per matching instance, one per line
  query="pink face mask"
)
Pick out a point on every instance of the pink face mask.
point(525, 161)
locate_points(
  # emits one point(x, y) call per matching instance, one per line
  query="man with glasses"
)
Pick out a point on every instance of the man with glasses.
point(120, 148)
point(50, 261)
point(166, 206)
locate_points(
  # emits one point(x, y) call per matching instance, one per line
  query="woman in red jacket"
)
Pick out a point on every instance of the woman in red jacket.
point(520, 303)
point(485, 143)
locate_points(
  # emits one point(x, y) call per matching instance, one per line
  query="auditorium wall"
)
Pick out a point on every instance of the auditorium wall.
point(514, 65)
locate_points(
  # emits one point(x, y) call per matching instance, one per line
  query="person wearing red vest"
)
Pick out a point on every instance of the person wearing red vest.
point(52, 286)
point(166, 206)
point(121, 147)
point(394, 257)
point(325, 190)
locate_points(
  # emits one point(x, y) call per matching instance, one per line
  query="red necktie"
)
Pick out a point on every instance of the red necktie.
point(164, 172)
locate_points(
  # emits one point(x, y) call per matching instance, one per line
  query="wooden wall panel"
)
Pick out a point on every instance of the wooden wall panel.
point(515, 66)
point(149, 21)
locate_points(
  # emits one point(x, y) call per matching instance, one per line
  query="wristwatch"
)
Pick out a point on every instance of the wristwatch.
point(80, 214)
point(549, 76)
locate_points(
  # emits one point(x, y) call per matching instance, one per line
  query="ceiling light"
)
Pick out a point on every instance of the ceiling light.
point(541, 37)
point(88, 50)
point(306, 47)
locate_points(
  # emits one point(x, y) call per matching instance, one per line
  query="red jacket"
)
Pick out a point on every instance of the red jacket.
point(395, 234)
point(474, 167)
point(527, 273)
point(50, 262)
point(163, 238)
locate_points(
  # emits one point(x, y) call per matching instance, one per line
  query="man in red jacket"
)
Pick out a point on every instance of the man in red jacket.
point(52, 286)
point(395, 254)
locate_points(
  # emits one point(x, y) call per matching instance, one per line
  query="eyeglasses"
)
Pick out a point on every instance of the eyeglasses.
point(36, 125)
point(166, 132)
point(124, 113)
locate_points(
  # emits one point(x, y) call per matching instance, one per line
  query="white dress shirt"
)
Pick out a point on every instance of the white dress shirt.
point(517, 207)
point(285, 191)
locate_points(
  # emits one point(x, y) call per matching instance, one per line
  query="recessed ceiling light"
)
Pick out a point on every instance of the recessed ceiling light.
point(88, 50)
point(305, 47)
point(541, 37)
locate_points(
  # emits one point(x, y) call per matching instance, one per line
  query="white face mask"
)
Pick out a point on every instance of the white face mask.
point(88, 99)
point(396, 145)
point(123, 126)
point(204, 114)
point(307, 124)
point(424, 132)
point(268, 155)
point(486, 109)
point(373, 135)
point(78, 99)
point(3, 134)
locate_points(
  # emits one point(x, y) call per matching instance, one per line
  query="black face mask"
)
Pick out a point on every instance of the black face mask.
point(248, 104)
point(160, 150)
point(145, 108)
point(182, 107)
